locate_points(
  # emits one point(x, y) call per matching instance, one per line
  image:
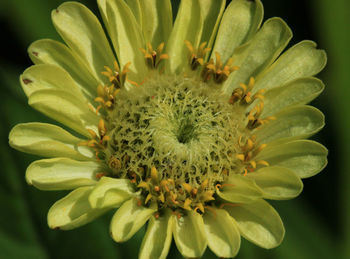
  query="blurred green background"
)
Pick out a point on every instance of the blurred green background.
point(317, 222)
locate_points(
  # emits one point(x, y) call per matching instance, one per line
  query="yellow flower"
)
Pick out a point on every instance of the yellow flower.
point(188, 126)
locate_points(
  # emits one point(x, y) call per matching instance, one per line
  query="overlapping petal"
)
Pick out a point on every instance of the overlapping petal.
point(128, 219)
point(259, 223)
point(189, 235)
point(239, 23)
point(304, 157)
point(73, 210)
point(83, 33)
point(157, 240)
point(222, 233)
point(62, 173)
point(110, 192)
point(47, 140)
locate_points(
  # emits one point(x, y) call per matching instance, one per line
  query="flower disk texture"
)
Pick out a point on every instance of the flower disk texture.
point(188, 126)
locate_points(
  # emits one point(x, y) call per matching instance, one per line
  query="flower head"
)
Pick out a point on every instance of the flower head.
point(190, 127)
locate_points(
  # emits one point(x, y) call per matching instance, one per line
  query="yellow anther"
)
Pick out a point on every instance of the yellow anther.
point(102, 128)
point(240, 157)
point(194, 191)
point(187, 203)
point(200, 207)
point(154, 174)
point(204, 184)
point(144, 185)
point(196, 57)
point(262, 162)
point(187, 187)
point(92, 133)
point(149, 196)
point(253, 164)
point(164, 184)
point(156, 188)
point(261, 147)
point(208, 196)
point(218, 71)
point(116, 77)
point(244, 93)
point(161, 197)
point(154, 57)
point(250, 144)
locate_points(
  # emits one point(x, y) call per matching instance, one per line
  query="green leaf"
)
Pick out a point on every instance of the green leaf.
point(157, 21)
point(127, 38)
point(259, 223)
point(277, 183)
point(61, 173)
point(222, 233)
point(128, 219)
point(292, 123)
point(304, 157)
point(66, 109)
point(298, 91)
point(73, 210)
point(240, 21)
point(239, 189)
point(189, 235)
point(48, 51)
point(83, 33)
point(301, 60)
point(188, 26)
point(47, 140)
point(157, 240)
point(258, 53)
point(110, 192)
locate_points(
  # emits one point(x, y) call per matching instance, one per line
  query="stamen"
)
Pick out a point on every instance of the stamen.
point(218, 71)
point(154, 57)
point(196, 57)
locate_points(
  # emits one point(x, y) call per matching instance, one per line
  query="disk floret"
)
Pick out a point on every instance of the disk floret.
point(174, 138)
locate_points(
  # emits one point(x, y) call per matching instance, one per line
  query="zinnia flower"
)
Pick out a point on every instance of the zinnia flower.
point(188, 127)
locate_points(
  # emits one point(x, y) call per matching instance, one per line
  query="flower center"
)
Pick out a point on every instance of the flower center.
point(182, 127)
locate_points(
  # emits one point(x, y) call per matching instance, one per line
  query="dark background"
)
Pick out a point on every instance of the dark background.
point(317, 222)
